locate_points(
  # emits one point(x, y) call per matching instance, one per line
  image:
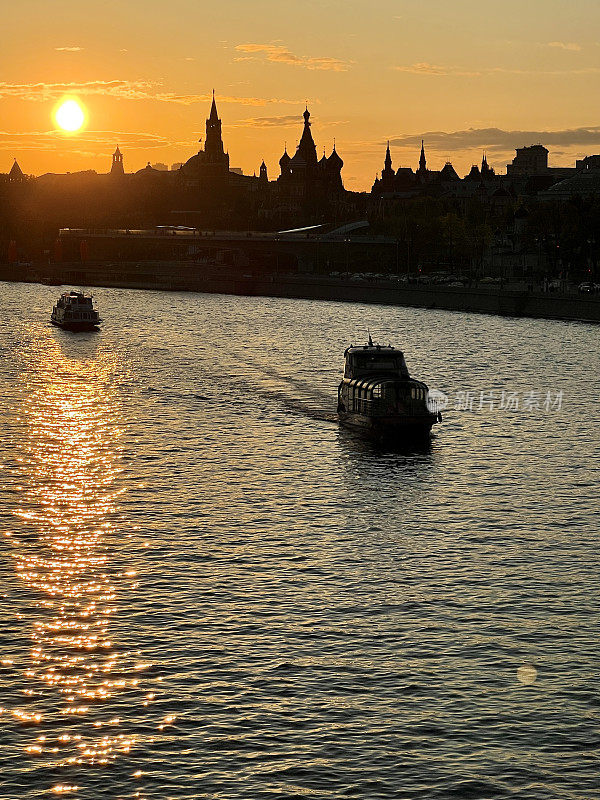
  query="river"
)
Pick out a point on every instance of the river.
point(210, 590)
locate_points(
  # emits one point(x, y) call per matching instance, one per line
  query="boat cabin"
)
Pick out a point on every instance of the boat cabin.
point(75, 300)
point(377, 383)
point(75, 310)
point(375, 360)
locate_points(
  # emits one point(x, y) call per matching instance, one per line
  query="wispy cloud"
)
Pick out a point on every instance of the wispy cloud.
point(448, 70)
point(565, 45)
point(499, 139)
point(49, 140)
point(126, 90)
point(72, 49)
point(281, 55)
point(283, 121)
point(425, 68)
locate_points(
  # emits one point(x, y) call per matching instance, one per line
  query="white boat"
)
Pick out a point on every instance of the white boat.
point(75, 311)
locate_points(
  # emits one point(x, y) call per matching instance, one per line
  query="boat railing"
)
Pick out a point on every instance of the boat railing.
point(372, 407)
point(380, 407)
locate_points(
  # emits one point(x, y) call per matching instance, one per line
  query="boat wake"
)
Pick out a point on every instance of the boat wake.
point(294, 394)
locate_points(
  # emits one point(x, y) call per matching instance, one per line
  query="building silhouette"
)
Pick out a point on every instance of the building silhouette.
point(117, 169)
point(16, 174)
point(210, 164)
point(529, 161)
point(304, 175)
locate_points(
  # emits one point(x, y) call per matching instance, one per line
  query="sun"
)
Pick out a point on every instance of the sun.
point(69, 116)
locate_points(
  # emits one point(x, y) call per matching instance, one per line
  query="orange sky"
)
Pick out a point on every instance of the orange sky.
point(467, 76)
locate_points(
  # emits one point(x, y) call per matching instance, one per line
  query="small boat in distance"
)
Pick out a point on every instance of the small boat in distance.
point(377, 394)
point(75, 311)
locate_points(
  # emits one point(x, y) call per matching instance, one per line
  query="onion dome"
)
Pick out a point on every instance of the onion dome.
point(334, 161)
point(285, 159)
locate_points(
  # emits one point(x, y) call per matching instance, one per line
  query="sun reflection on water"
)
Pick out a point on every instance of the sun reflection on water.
point(69, 527)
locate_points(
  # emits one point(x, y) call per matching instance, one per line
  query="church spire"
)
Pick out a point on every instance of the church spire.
point(388, 157)
point(306, 147)
point(213, 109)
point(422, 159)
point(387, 174)
point(213, 144)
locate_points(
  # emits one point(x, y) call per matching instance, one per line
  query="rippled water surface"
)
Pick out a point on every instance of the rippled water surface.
point(209, 590)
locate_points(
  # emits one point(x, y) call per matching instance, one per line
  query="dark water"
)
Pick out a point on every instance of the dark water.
point(209, 590)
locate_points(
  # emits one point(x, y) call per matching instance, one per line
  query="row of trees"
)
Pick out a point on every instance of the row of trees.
point(562, 237)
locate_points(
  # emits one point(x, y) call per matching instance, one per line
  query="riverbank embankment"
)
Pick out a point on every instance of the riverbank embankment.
point(191, 277)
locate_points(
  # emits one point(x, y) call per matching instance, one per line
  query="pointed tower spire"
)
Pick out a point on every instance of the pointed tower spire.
point(306, 147)
point(388, 174)
point(213, 109)
point(213, 143)
point(422, 159)
point(388, 157)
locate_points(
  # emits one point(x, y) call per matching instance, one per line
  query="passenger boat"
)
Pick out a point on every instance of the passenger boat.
point(75, 311)
point(378, 395)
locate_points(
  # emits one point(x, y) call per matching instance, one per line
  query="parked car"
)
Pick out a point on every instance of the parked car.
point(585, 288)
point(490, 280)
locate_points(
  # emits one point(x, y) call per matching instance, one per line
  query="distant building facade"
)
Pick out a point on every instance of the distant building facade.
point(529, 161)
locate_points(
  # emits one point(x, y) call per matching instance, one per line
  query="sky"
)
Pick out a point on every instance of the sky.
point(466, 76)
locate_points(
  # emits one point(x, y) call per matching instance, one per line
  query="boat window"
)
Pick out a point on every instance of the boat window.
point(383, 362)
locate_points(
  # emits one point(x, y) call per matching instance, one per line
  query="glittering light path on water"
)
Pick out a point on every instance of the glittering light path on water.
point(76, 674)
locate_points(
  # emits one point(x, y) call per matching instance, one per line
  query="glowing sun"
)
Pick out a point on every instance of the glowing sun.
point(69, 116)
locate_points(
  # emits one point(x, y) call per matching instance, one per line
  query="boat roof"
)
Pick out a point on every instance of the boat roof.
point(373, 349)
